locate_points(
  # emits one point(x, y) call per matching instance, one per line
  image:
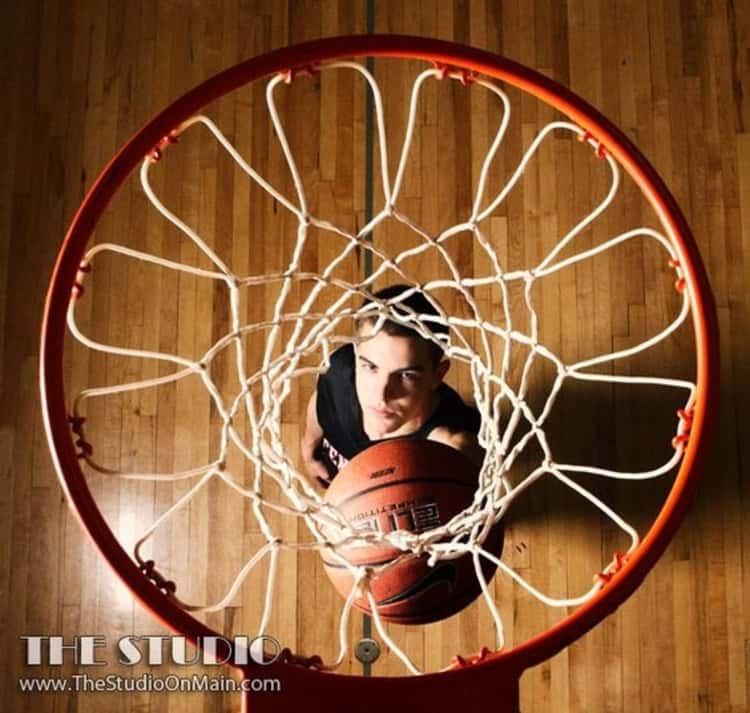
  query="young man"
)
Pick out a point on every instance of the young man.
point(388, 386)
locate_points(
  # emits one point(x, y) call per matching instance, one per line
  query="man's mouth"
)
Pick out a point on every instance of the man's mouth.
point(382, 413)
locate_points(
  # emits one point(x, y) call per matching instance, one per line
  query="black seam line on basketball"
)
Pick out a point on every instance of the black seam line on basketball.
point(456, 603)
point(441, 573)
point(369, 563)
point(447, 481)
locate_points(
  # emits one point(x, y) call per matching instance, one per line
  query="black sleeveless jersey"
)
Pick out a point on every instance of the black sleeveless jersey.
point(340, 416)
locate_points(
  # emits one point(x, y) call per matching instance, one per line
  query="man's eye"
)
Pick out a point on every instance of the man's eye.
point(368, 367)
point(409, 375)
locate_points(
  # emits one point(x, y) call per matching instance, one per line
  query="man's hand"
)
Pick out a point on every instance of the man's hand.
point(310, 441)
point(318, 471)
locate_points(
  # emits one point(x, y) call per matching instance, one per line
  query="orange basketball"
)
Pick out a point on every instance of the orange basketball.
point(411, 485)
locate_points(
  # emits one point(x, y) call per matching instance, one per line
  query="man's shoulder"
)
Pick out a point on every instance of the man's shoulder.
point(451, 400)
point(463, 441)
point(454, 414)
point(449, 435)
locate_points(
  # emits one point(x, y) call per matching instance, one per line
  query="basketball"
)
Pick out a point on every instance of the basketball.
point(413, 485)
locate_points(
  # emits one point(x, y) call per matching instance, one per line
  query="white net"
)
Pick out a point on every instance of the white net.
point(499, 355)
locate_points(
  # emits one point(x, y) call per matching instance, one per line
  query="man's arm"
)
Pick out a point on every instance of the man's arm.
point(311, 439)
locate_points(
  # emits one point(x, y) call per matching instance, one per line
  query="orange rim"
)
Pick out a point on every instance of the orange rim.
point(507, 665)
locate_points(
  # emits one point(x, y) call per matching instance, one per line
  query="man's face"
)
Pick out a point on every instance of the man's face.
point(396, 381)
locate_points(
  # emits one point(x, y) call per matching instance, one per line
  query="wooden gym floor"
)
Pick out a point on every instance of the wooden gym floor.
point(78, 78)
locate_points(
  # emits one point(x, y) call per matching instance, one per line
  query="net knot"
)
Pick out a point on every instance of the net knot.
point(313, 662)
point(618, 561)
point(686, 423)
point(76, 423)
point(680, 282)
point(83, 268)
point(158, 150)
point(459, 661)
point(465, 76)
point(86, 450)
point(686, 416)
point(588, 137)
point(290, 74)
point(148, 568)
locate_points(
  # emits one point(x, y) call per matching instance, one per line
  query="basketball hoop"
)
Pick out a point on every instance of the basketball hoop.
point(312, 331)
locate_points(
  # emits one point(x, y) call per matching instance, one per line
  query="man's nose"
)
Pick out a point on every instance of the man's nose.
point(382, 389)
point(386, 389)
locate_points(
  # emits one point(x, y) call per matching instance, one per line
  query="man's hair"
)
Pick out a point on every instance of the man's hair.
point(416, 302)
